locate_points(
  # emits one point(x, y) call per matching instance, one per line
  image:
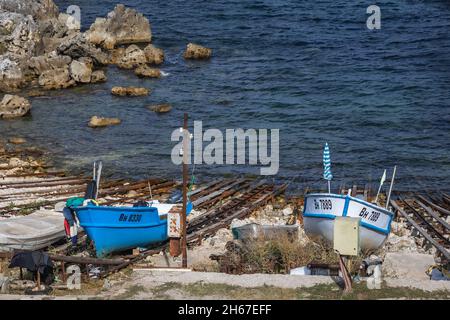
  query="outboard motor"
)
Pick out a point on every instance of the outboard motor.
point(176, 197)
point(91, 190)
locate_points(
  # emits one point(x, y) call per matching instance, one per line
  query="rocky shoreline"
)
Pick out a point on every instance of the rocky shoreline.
point(42, 49)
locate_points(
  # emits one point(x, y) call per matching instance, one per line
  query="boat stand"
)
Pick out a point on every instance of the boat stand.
point(345, 275)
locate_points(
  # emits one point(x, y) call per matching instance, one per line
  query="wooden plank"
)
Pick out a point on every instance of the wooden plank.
point(435, 206)
point(441, 249)
point(433, 214)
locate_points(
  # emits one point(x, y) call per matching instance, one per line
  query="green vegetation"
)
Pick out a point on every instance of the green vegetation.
point(318, 292)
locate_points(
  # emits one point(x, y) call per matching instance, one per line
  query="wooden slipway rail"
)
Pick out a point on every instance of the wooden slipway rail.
point(427, 216)
point(30, 187)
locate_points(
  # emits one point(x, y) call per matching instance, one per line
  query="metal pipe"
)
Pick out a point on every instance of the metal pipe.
point(390, 188)
point(186, 153)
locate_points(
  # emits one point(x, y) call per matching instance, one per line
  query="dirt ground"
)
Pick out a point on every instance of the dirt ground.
point(184, 285)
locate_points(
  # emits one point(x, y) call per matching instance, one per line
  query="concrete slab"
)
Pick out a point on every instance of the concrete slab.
point(405, 265)
point(245, 280)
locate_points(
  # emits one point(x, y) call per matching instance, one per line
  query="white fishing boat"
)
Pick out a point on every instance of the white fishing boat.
point(33, 232)
point(321, 209)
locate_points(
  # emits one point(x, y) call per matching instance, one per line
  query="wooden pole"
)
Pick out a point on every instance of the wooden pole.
point(186, 153)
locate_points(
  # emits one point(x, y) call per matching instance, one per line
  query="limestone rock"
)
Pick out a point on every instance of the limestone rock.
point(98, 76)
point(129, 91)
point(116, 54)
point(11, 75)
point(132, 57)
point(195, 51)
point(76, 46)
point(80, 72)
point(51, 61)
point(13, 106)
point(96, 122)
point(154, 55)
point(87, 61)
point(160, 108)
point(146, 71)
point(404, 243)
point(56, 79)
point(123, 25)
point(38, 9)
point(19, 34)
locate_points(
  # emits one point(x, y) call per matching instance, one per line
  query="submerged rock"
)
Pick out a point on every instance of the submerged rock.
point(17, 140)
point(160, 108)
point(133, 56)
point(195, 51)
point(98, 76)
point(129, 91)
point(56, 78)
point(96, 122)
point(123, 25)
point(13, 106)
point(80, 72)
point(154, 55)
point(146, 71)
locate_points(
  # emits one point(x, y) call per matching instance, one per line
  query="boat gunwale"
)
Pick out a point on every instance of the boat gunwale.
point(385, 231)
point(341, 196)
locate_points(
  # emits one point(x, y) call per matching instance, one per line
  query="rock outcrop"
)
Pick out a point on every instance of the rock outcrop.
point(39, 10)
point(77, 46)
point(56, 79)
point(80, 71)
point(11, 76)
point(97, 122)
point(13, 106)
point(41, 46)
point(122, 26)
point(153, 54)
point(160, 108)
point(19, 34)
point(195, 51)
point(129, 91)
point(146, 71)
point(132, 57)
point(40, 64)
point(98, 76)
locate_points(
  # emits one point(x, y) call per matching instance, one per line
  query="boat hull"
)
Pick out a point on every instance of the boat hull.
point(33, 232)
point(320, 210)
point(121, 228)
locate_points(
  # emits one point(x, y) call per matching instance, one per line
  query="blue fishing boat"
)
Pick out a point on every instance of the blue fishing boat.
point(121, 228)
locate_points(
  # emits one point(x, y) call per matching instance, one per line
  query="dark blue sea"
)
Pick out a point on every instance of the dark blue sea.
point(310, 68)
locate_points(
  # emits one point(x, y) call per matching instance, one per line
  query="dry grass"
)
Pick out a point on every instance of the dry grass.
point(281, 255)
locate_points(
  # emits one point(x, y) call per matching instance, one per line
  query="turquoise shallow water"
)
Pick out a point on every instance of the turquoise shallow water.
point(309, 68)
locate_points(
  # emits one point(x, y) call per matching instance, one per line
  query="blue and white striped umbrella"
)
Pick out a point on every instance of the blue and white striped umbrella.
point(327, 163)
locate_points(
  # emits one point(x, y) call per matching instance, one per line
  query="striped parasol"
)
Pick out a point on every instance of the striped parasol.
point(327, 165)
